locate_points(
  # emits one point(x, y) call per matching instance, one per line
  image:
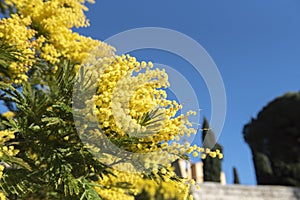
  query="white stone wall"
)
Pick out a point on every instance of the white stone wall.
point(215, 191)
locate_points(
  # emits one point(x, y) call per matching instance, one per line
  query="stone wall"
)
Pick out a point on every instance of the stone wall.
point(215, 191)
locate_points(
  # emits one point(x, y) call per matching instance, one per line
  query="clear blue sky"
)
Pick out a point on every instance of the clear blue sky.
point(255, 44)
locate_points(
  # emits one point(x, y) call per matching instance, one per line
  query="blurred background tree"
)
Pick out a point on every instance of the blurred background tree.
point(236, 178)
point(212, 166)
point(274, 139)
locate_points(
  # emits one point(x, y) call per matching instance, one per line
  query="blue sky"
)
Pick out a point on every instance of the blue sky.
point(255, 45)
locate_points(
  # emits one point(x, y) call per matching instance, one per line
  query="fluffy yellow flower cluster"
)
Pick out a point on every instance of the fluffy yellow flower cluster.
point(132, 109)
point(164, 190)
point(8, 114)
point(110, 182)
point(123, 99)
point(54, 20)
point(112, 187)
point(43, 29)
point(2, 196)
point(72, 10)
point(5, 136)
point(1, 171)
point(14, 31)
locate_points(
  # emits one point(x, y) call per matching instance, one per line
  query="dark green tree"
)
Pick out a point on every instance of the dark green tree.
point(274, 138)
point(236, 179)
point(212, 167)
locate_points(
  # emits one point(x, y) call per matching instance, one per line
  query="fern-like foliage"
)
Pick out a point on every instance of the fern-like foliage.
point(52, 162)
point(8, 54)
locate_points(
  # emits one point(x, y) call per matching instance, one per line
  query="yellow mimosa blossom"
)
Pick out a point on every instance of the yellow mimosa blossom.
point(43, 29)
point(155, 189)
point(15, 32)
point(131, 102)
point(9, 150)
point(123, 100)
point(6, 135)
point(1, 170)
point(54, 20)
point(2, 196)
point(8, 114)
point(195, 154)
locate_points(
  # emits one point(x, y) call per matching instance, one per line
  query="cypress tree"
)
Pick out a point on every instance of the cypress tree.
point(236, 179)
point(212, 167)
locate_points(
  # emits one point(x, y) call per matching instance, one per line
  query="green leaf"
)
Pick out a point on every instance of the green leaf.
point(90, 193)
point(14, 160)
